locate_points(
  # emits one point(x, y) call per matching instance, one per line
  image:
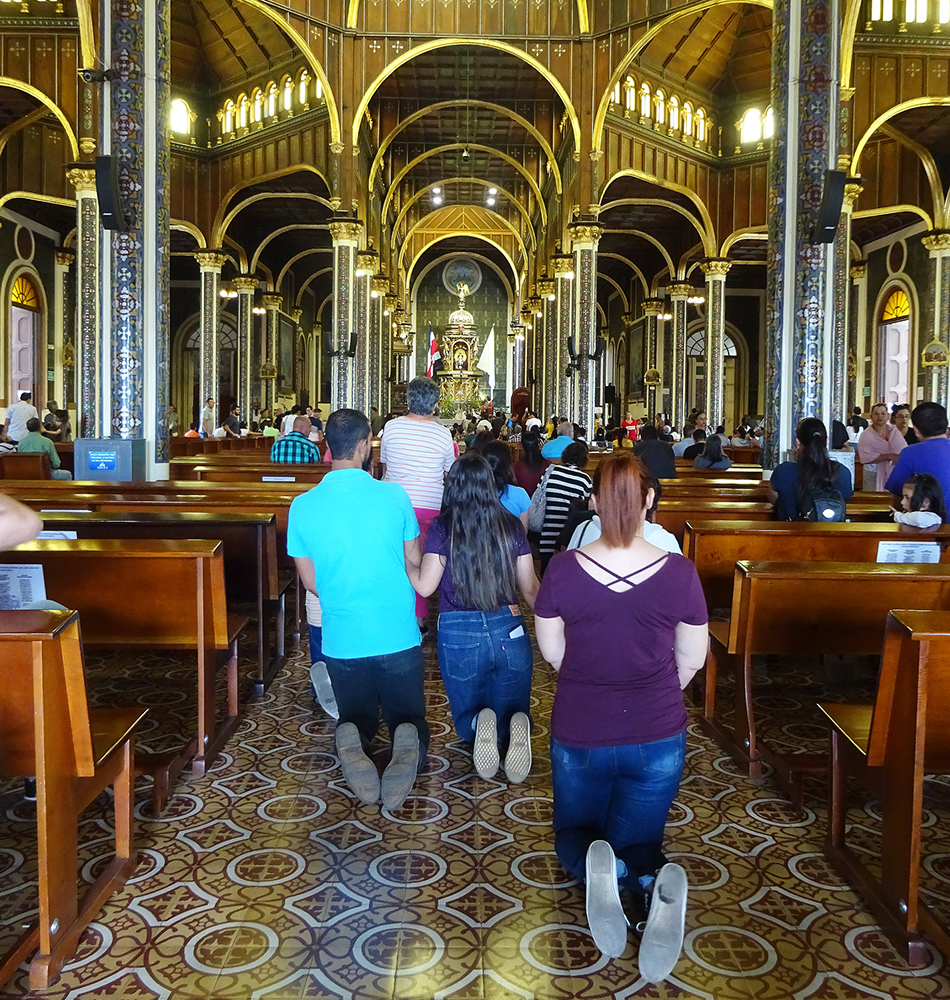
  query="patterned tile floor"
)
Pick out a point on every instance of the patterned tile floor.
point(267, 879)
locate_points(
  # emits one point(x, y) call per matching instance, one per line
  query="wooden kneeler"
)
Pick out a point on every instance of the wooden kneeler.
point(47, 729)
point(889, 747)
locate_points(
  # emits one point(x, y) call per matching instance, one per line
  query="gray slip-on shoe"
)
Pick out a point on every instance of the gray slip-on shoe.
point(485, 751)
point(360, 772)
point(323, 689)
point(662, 939)
point(401, 771)
point(518, 758)
point(605, 916)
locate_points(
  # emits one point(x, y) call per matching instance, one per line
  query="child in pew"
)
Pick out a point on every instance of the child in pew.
point(922, 505)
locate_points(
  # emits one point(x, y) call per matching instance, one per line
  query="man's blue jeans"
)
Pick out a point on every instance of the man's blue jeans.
point(391, 680)
point(485, 659)
point(619, 794)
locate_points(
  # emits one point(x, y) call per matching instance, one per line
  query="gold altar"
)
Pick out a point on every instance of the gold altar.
point(460, 379)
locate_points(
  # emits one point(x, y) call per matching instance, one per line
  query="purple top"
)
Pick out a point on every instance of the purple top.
point(438, 541)
point(618, 683)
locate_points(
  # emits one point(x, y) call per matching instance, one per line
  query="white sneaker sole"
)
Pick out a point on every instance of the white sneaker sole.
point(485, 751)
point(605, 916)
point(323, 689)
point(518, 758)
point(662, 939)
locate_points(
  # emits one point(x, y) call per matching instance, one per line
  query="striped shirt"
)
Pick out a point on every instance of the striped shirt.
point(565, 485)
point(417, 454)
point(294, 448)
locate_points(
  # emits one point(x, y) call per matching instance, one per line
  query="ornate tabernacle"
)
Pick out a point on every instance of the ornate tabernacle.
point(461, 380)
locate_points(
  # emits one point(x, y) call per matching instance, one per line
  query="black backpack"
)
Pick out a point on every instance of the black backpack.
point(823, 503)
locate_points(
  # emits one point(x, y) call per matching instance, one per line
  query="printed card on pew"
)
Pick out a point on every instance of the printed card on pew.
point(908, 552)
point(67, 536)
point(21, 586)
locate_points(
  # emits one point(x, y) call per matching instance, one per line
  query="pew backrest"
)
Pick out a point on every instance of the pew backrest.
point(29, 465)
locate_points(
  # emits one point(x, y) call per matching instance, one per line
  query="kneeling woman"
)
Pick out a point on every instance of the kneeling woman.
point(478, 556)
point(624, 624)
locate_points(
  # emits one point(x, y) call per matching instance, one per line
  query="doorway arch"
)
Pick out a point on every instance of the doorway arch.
point(26, 366)
point(185, 367)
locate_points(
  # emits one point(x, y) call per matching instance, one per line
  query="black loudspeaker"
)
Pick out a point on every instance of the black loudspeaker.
point(571, 349)
point(829, 214)
point(328, 346)
point(610, 394)
point(352, 350)
point(111, 211)
point(600, 346)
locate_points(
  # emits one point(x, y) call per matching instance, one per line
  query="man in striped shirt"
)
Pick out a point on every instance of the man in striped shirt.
point(296, 446)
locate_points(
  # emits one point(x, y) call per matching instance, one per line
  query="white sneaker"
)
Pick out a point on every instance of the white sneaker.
point(662, 939)
point(323, 689)
point(518, 758)
point(605, 916)
point(485, 751)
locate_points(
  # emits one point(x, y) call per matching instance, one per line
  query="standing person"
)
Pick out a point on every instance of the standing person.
point(812, 469)
point(206, 423)
point(931, 454)
point(287, 421)
point(417, 452)
point(880, 445)
point(529, 469)
point(171, 420)
point(901, 419)
point(17, 416)
point(513, 498)
point(624, 625)
point(295, 446)
point(51, 424)
point(478, 557)
point(232, 426)
point(567, 485)
point(857, 420)
point(352, 538)
point(34, 442)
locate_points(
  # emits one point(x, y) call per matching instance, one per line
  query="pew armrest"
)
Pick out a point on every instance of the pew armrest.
point(719, 632)
point(236, 624)
point(852, 721)
point(111, 727)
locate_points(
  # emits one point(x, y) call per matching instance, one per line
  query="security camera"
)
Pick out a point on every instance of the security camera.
point(95, 75)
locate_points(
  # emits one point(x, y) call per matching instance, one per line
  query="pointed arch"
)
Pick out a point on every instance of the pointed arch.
point(448, 236)
point(279, 232)
point(38, 95)
point(487, 261)
point(616, 284)
point(313, 277)
point(705, 230)
point(293, 260)
point(633, 267)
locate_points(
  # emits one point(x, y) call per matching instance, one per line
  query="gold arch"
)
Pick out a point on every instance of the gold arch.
point(279, 232)
point(447, 236)
point(740, 234)
point(477, 256)
point(11, 130)
point(323, 306)
point(30, 196)
point(306, 284)
point(650, 239)
point(8, 81)
point(583, 15)
point(498, 108)
point(242, 253)
point(293, 260)
point(428, 219)
point(458, 41)
point(707, 237)
point(917, 102)
point(336, 131)
point(642, 42)
point(477, 180)
point(849, 29)
point(462, 145)
point(871, 213)
point(190, 227)
point(930, 169)
point(87, 34)
point(684, 260)
point(633, 267)
point(623, 296)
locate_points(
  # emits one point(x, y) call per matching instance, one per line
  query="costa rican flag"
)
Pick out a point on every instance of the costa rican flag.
point(435, 358)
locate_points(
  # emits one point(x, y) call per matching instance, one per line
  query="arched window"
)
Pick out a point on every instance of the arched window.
point(894, 349)
point(243, 107)
point(257, 105)
point(696, 345)
point(700, 125)
point(271, 100)
point(24, 293)
point(687, 119)
point(750, 129)
point(229, 117)
point(288, 98)
point(630, 92)
point(303, 88)
point(660, 104)
point(674, 113)
point(646, 101)
point(615, 94)
point(318, 89)
point(896, 307)
point(180, 120)
point(915, 11)
point(26, 362)
point(943, 11)
point(768, 123)
point(882, 10)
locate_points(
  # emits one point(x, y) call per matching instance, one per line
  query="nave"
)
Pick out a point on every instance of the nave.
point(267, 879)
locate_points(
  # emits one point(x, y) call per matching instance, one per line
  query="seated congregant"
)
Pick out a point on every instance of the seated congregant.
point(35, 442)
point(296, 446)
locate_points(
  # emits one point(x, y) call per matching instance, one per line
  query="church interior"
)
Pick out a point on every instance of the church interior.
point(621, 207)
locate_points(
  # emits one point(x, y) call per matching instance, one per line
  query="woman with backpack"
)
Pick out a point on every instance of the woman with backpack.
point(813, 487)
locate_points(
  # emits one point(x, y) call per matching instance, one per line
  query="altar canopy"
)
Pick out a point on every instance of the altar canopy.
point(461, 381)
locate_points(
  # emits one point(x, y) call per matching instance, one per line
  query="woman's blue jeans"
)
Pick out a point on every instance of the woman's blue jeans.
point(619, 794)
point(485, 659)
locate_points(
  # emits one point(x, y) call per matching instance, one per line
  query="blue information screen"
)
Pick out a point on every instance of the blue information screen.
point(102, 461)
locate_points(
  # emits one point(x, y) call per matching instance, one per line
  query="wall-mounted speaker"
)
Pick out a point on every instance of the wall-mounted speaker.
point(111, 210)
point(829, 214)
point(571, 349)
point(610, 394)
point(352, 349)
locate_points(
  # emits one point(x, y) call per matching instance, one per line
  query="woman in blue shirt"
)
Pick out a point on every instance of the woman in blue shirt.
point(513, 498)
point(813, 469)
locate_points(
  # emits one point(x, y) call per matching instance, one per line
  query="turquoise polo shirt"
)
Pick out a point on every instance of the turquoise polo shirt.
point(353, 528)
point(555, 447)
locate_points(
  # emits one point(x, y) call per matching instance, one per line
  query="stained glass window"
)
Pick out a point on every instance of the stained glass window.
point(896, 307)
point(24, 293)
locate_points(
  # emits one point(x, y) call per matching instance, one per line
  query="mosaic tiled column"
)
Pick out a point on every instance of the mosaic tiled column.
point(584, 240)
point(564, 321)
point(62, 390)
point(842, 301)
point(715, 271)
point(269, 355)
point(346, 238)
point(652, 309)
point(366, 263)
point(548, 373)
point(210, 264)
point(88, 303)
point(679, 293)
point(140, 105)
point(938, 245)
point(859, 312)
point(245, 287)
point(799, 328)
point(380, 355)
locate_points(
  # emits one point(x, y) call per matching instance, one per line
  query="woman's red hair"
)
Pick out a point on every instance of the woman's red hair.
point(621, 482)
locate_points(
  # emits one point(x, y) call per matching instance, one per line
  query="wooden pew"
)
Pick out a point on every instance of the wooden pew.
point(48, 730)
point(29, 465)
point(716, 546)
point(250, 560)
point(889, 747)
point(150, 594)
point(803, 609)
point(682, 489)
point(675, 514)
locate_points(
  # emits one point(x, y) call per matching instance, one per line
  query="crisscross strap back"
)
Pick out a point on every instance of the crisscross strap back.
point(626, 581)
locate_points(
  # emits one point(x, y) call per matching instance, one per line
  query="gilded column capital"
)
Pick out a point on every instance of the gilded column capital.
point(716, 267)
point(629, 319)
point(296, 314)
point(859, 270)
point(82, 178)
point(245, 284)
point(272, 301)
point(936, 242)
point(208, 260)
point(564, 265)
point(586, 232)
point(680, 290)
point(337, 148)
point(852, 191)
point(652, 307)
point(846, 93)
point(346, 230)
point(367, 261)
point(545, 288)
point(65, 258)
point(380, 284)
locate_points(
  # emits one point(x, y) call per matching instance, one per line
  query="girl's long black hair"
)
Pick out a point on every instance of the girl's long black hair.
point(498, 456)
point(531, 446)
point(713, 448)
point(483, 537)
point(927, 487)
point(815, 468)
